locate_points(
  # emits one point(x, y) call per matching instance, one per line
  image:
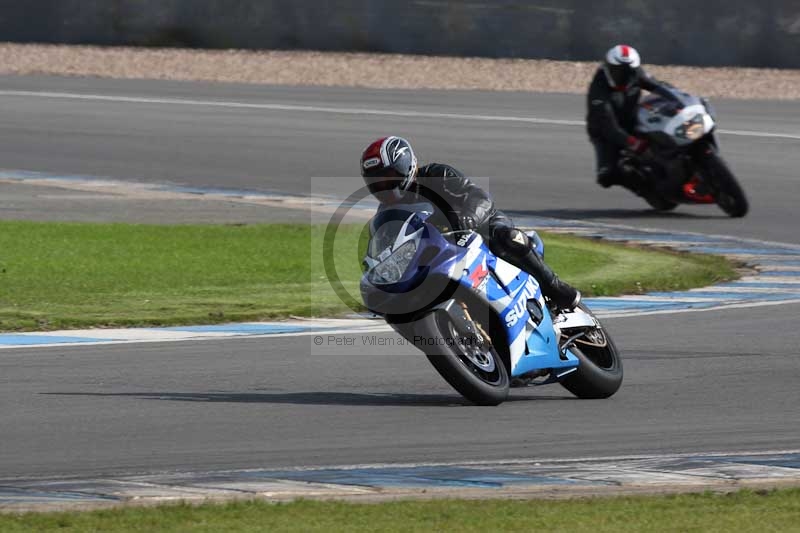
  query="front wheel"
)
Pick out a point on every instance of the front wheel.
point(729, 194)
point(599, 373)
point(473, 368)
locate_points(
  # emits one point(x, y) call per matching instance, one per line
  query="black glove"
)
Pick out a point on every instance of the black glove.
point(637, 145)
point(467, 222)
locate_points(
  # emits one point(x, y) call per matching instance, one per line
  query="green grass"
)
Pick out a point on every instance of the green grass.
point(742, 512)
point(601, 268)
point(68, 275)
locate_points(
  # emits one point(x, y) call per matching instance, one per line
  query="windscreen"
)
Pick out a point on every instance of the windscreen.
point(384, 238)
point(668, 107)
point(385, 228)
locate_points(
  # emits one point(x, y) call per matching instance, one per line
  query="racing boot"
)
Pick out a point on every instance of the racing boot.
point(606, 179)
point(562, 295)
point(631, 177)
point(619, 176)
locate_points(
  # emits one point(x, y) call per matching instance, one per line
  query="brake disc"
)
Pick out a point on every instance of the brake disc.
point(594, 337)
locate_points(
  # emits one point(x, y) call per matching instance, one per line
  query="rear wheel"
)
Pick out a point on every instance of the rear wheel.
point(641, 180)
point(471, 367)
point(729, 194)
point(658, 203)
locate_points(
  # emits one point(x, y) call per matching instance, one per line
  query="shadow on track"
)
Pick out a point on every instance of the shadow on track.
point(309, 398)
point(628, 214)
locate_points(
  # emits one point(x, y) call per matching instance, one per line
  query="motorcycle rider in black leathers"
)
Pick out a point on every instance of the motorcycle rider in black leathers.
point(613, 105)
point(389, 168)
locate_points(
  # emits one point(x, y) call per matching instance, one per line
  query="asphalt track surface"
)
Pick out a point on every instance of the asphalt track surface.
point(719, 381)
point(543, 169)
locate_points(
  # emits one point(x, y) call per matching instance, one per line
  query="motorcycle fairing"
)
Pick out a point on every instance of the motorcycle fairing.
point(663, 118)
point(533, 344)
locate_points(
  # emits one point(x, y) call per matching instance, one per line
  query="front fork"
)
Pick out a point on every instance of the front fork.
point(705, 146)
point(702, 150)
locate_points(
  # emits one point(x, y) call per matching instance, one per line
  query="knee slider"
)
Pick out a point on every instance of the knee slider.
point(512, 240)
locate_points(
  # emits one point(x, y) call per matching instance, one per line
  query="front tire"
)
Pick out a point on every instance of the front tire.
point(729, 194)
point(599, 374)
point(477, 373)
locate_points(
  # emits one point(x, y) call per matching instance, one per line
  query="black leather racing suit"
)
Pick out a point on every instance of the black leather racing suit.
point(611, 119)
point(457, 199)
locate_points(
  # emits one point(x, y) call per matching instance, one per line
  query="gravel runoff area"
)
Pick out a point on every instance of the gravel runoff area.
point(373, 70)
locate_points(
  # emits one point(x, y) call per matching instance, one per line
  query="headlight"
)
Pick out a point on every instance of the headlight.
point(391, 269)
point(694, 132)
point(691, 129)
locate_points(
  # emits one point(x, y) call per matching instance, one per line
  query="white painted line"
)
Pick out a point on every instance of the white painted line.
point(200, 337)
point(343, 110)
point(654, 473)
point(380, 327)
point(289, 107)
point(733, 291)
point(778, 268)
point(719, 307)
point(758, 243)
point(515, 461)
point(758, 258)
point(748, 133)
point(770, 280)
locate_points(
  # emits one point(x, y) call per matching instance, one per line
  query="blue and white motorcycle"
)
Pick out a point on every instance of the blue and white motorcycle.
point(482, 323)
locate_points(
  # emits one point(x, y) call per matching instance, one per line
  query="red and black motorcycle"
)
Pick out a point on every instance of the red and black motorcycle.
point(683, 164)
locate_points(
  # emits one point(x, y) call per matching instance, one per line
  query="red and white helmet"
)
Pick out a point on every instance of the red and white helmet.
point(389, 168)
point(621, 66)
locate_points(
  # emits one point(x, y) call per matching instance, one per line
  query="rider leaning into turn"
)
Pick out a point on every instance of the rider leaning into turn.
point(613, 104)
point(389, 168)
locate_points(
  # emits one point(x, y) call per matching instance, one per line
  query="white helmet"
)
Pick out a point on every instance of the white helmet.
point(621, 66)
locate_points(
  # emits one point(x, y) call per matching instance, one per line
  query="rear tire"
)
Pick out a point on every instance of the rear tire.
point(729, 194)
point(658, 203)
point(641, 185)
point(484, 382)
